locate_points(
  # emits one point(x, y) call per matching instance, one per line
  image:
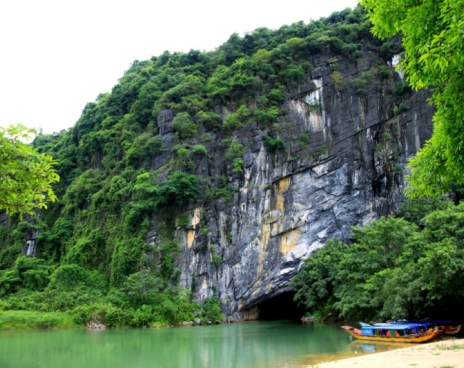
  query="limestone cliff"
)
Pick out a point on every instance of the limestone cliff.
point(349, 172)
point(289, 137)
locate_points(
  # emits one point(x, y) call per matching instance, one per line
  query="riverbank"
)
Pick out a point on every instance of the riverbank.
point(32, 320)
point(444, 353)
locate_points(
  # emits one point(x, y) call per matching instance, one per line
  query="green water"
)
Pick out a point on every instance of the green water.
point(250, 344)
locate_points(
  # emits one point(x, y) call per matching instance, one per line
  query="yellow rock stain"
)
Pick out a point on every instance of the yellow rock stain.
point(279, 189)
point(288, 240)
point(190, 237)
point(204, 284)
point(194, 222)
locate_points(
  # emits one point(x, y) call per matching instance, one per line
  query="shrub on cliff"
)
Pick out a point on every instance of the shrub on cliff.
point(178, 190)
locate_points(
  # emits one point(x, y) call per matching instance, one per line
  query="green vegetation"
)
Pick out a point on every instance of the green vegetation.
point(26, 320)
point(402, 107)
point(450, 347)
point(433, 58)
point(338, 80)
point(139, 159)
point(273, 145)
point(392, 269)
point(362, 82)
point(26, 176)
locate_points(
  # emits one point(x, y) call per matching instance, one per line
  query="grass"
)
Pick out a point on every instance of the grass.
point(29, 320)
point(451, 347)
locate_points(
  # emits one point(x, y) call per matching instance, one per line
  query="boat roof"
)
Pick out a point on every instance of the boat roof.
point(435, 322)
point(415, 323)
point(393, 326)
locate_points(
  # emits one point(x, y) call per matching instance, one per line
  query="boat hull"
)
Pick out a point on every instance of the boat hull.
point(452, 331)
point(418, 338)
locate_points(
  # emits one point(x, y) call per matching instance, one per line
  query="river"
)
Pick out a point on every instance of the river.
point(246, 345)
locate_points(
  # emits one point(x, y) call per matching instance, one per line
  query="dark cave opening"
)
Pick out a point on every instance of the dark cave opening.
point(281, 306)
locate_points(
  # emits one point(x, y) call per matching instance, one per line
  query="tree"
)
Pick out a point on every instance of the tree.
point(26, 175)
point(434, 57)
point(184, 127)
point(177, 190)
point(140, 286)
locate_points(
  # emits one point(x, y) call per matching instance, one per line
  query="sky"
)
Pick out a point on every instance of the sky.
point(57, 55)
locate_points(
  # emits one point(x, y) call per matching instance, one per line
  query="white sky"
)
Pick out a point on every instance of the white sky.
point(57, 55)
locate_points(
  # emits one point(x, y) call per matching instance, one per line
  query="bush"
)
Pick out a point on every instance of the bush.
point(141, 286)
point(237, 119)
point(273, 145)
point(216, 259)
point(401, 88)
point(106, 313)
point(292, 74)
point(236, 150)
point(88, 251)
point(199, 150)
point(184, 127)
point(211, 311)
point(266, 116)
point(69, 277)
point(362, 83)
point(304, 138)
point(402, 107)
point(338, 80)
point(28, 273)
point(210, 120)
point(276, 95)
point(144, 146)
point(169, 252)
point(174, 307)
point(237, 165)
point(177, 190)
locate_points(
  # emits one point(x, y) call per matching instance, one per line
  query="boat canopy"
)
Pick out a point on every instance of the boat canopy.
point(392, 329)
point(430, 322)
point(392, 326)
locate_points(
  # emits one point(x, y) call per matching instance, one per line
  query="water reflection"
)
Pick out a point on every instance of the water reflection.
point(253, 344)
point(377, 347)
point(349, 350)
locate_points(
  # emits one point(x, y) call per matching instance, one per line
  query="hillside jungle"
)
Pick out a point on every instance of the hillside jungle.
point(91, 257)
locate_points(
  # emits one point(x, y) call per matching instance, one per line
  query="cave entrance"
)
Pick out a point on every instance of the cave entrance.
point(281, 306)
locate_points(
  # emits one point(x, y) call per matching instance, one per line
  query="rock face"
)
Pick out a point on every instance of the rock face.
point(348, 136)
point(348, 132)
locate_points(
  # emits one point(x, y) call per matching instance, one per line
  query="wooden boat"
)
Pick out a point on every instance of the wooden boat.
point(392, 332)
point(448, 327)
point(451, 330)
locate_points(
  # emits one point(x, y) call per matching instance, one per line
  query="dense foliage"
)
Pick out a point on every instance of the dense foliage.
point(394, 268)
point(431, 32)
point(140, 158)
point(26, 176)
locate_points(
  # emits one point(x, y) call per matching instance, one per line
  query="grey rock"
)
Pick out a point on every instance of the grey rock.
point(350, 172)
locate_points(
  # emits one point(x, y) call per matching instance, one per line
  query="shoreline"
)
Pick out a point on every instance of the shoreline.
point(444, 353)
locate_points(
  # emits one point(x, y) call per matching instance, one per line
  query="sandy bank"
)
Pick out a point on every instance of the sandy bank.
point(445, 353)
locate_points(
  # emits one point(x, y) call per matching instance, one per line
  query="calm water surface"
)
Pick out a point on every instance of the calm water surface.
point(251, 344)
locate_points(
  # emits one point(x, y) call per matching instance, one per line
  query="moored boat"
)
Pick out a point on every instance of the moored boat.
point(391, 332)
point(448, 327)
point(451, 330)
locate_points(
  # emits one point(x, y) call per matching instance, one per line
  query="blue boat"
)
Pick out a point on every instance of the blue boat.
point(394, 332)
point(448, 327)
